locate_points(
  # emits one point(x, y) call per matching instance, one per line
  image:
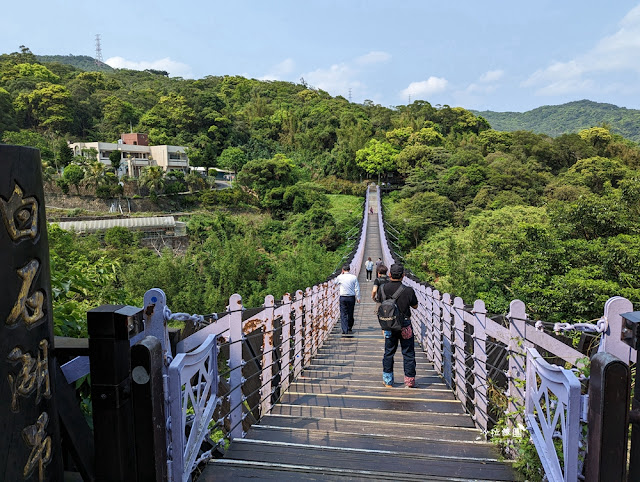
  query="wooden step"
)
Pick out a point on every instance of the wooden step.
point(389, 465)
point(419, 418)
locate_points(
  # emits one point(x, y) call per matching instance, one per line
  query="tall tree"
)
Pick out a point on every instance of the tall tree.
point(376, 158)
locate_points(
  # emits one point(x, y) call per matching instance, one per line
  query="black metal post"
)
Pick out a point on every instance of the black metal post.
point(29, 428)
point(148, 406)
point(608, 419)
point(110, 327)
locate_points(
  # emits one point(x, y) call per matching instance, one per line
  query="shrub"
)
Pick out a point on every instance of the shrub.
point(175, 188)
point(63, 184)
point(118, 237)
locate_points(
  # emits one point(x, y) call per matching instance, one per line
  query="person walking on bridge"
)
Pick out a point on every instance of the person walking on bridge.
point(406, 300)
point(349, 295)
point(368, 266)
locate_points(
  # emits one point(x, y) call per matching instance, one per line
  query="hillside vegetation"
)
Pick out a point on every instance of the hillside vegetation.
point(555, 120)
point(81, 62)
point(482, 213)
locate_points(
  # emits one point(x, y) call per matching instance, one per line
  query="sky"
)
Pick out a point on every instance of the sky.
point(487, 55)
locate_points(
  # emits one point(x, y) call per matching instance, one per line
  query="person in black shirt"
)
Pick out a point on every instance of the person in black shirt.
point(405, 302)
point(381, 278)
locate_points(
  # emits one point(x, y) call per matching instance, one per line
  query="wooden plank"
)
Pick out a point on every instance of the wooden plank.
point(396, 430)
point(391, 464)
point(237, 471)
point(342, 440)
point(360, 383)
point(71, 347)
point(438, 406)
point(381, 393)
point(421, 378)
point(418, 418)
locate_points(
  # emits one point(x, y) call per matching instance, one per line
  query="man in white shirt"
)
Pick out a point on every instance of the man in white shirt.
point(349, 295)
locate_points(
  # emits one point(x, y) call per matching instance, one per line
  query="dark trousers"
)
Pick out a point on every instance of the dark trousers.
point(391, 339)
point(369, 271)
point(347, 305)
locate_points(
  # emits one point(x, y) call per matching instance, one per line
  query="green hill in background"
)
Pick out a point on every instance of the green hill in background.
point(565, 118)
point(82, 62)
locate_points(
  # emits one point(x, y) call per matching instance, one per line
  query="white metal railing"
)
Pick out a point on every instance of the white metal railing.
point(552, 412)
point(459, 338)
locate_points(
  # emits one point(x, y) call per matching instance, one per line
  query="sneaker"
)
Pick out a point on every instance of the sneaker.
point(387, 380)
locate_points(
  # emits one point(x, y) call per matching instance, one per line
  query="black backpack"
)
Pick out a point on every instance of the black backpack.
point(389, 315)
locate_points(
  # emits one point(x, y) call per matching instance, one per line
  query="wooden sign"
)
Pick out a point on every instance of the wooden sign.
point(29, 432)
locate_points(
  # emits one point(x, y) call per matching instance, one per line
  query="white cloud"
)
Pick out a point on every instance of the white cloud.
point(280, 70)
point(175, 69)
point(373, 57)
point(337, 79)
point(615, 53)
point(491, 76)
point(425, 88)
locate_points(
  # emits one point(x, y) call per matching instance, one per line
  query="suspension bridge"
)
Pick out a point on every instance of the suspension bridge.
point(337, 421)
point(275, 392)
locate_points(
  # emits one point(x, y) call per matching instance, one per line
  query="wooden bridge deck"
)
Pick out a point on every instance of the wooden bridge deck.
point(338, 422)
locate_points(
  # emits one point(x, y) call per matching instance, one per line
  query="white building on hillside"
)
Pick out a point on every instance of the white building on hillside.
point(136, 153)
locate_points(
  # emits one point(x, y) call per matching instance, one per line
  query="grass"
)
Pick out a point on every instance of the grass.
point(345, 209)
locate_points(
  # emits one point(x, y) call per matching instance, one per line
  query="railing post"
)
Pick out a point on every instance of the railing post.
point(110, 327)
point(436, 326)
point(267, 357)
point(516, 376)
point(480, 371)
point(428, 325)
point(419, 317)
point(30, 439)
point(148, 405)
point(298, 353)
point(235, 367)
point(285, 345)
point(460, 356)
point(610, 341)
point(315, 320)
point(323, 322)
point(609, 389)
point(447, 369)
point(308, 326)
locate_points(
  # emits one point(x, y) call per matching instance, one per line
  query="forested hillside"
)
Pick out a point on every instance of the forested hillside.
point(555, 120)
point(482, 213)
point(82, 62)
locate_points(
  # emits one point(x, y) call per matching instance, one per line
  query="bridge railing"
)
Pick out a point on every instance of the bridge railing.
point(484, 360)
point(264, 350)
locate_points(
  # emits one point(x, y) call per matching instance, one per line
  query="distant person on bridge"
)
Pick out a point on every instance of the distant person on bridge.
point(368, 266)
point(381, 279)
point(349, 295)
point(406, 300)
point(378, 264)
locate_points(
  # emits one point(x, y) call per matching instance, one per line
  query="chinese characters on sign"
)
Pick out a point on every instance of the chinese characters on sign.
point(33, 375)
point(36, 437)
point(20, 219)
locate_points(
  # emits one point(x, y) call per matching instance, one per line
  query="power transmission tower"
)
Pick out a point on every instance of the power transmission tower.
point(349, 94)
point(99, 60)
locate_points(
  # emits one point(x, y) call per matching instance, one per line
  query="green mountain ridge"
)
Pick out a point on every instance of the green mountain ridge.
point(555, 120)
point(82, 62)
